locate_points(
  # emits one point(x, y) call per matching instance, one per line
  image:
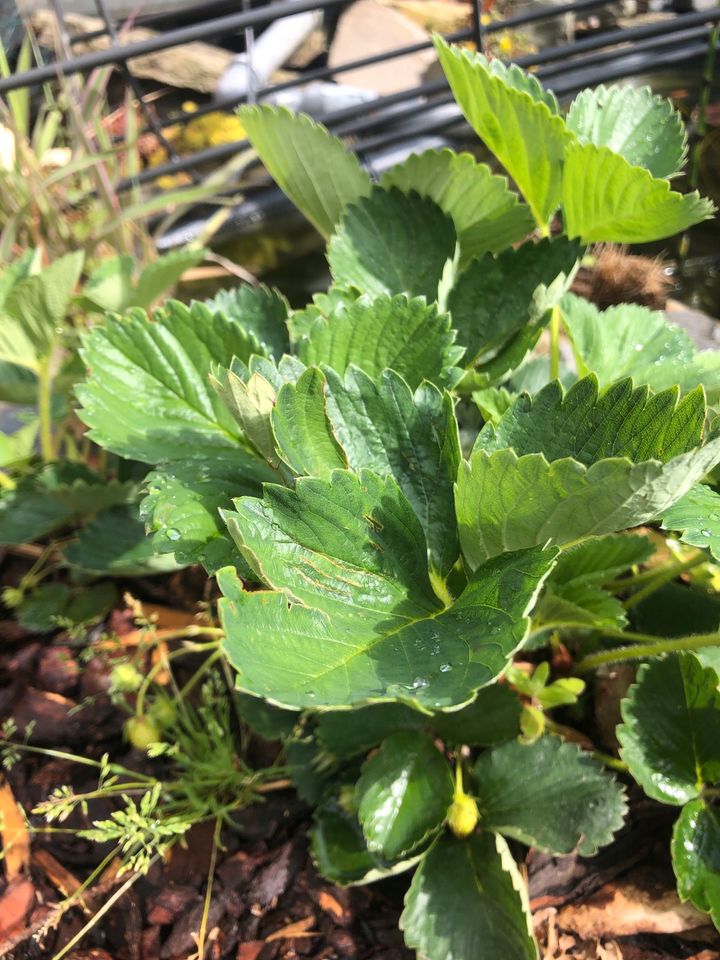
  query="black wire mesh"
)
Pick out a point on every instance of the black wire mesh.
point(406, 116)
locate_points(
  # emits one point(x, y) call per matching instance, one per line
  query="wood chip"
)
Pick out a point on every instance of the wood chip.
point(15, 834)
point(15, 905)
point(330, 904)
point(300, 928)
point(58, 875)
point(250, 950)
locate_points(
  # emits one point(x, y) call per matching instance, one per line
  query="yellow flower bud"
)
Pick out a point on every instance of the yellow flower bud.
point(463, 816)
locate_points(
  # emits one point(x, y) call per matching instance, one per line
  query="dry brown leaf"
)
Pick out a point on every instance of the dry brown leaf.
point(638, 904)
point(300, 928)
point(250, 950)
point(15, 834)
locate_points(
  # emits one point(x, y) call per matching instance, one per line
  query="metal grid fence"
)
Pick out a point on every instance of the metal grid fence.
point(407, 116)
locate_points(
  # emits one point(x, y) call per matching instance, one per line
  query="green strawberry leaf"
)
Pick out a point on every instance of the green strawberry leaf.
point(696, 517)
point(114, 544)
point(33, 311)
point(149, 397)
point(403, 794)
point(162, 274)
point(632, 341)
point(313, 168)
point(340, 853)
point(644, 128)
point(516, 120)
point(548, 794)
point(303, 436)
point(323, 423)
point(579, 604)
point(573, 591)
point(493, 299)
point(696, 856)
point(467, 900)
point(407, 335)
point(351, 615)
point(670, 736)
point(488, 217)
point(605, 198)
point(261, 311)
point(599, 559)
point(182, 509)
point(557, 467)
point(390, 243)
point(591, 425)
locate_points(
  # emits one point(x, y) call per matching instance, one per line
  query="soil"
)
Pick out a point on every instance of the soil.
point(268, 902)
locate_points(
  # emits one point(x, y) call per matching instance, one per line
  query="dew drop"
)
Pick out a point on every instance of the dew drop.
point(637, 346)
point(445, 667)
point(419, 683)
point(705, 532)
point(172, 533)
point(310, 694)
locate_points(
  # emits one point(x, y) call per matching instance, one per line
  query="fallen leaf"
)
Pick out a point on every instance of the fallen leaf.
point(15, 834)
point(638, 904)
point(300, 928)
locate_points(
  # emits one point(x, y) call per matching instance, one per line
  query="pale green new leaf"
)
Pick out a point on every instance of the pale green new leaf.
point(403, 794)
point(261, 311)
point(33, 310)
point(631, 341)
point(18, 447)
point(322, 424)
point(516, 120)
point(494, 298)
point(407, 335)
point(488, 216)
point(303, 435)
point(183, 503)
point(642, 127)
point(314, 169)
point(149, 396)
point(250, 398)
point(467, 900)
point(696, 517)
point(670, 737)
point(391, 242)
point(696, 856)
point(549, 794)
point(605, 198)
point(163, 274)
point(351, 615)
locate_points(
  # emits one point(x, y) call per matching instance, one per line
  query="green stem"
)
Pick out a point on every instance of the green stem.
point(47, 448)
point(555, 318)
point(163, 662)
point(642, 651)
point(635, 579)
point(664, 576)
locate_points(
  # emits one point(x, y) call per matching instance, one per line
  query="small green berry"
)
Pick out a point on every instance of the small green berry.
point(141, 732)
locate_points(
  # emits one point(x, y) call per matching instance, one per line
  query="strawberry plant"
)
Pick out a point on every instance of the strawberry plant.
point(399, 488)
point(43, 310)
